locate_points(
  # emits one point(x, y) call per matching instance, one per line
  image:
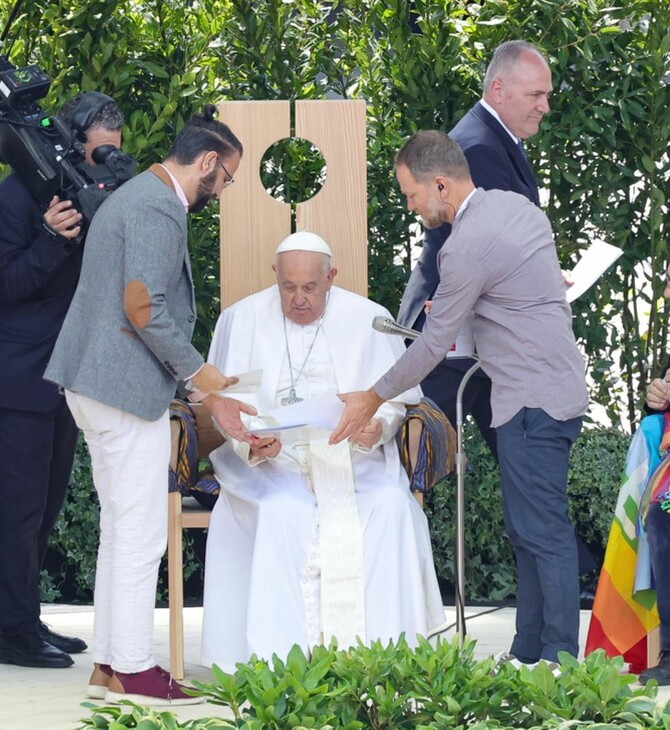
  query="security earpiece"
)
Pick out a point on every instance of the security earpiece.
point(440, 187)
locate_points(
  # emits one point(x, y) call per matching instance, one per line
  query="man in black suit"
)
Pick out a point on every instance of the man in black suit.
point(515, 97)
point(39, 270)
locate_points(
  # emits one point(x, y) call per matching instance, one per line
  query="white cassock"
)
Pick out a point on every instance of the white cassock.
point(321, 541)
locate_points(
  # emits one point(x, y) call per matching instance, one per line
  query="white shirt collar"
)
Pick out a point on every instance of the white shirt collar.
point(494, 113)
point(464, 204)
point(177, 188)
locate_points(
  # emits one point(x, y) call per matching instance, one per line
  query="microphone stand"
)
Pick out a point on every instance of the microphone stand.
point(390, 327)
point(460, 506)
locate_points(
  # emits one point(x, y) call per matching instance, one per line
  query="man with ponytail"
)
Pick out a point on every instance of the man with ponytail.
point(124, 346)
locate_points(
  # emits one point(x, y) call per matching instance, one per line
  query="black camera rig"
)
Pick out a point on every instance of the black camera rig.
point(46, 153)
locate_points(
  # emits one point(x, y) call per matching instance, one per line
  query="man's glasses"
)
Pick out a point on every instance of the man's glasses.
point(230, 179)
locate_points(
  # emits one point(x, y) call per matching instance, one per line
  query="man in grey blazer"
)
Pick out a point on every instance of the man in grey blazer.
point(124, 345)
point(501, 263)
point(515, 98)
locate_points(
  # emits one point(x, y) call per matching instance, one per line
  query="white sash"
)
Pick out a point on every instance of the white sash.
point(341, 542)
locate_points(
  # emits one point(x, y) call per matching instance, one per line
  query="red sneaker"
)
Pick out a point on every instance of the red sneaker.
point(153, 686)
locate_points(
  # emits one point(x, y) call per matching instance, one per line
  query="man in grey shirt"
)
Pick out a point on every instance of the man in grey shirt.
point(500, 262)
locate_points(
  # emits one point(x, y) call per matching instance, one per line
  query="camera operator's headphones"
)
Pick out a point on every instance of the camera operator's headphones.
point(90, 104)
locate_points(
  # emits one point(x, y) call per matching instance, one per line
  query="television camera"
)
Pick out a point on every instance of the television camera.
point(47, 154)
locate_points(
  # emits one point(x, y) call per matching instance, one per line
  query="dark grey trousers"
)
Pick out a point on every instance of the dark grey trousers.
point(533, 452)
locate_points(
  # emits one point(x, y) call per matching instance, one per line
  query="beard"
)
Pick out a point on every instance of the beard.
point(204, 193)
point(433, 217)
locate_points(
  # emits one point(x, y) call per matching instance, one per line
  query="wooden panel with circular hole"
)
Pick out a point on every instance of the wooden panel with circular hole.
point(253, 223)
point(338, 212)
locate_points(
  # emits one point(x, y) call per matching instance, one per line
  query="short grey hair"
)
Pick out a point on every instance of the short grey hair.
point(108, 117)
point(432, 153)
point(505, 58)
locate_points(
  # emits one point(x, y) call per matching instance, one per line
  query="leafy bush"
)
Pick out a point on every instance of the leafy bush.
point(596, 470)
point(143, 718)
point(596, 467)
point(490, 570)
point(432, 687)
point(73, 547)
point(601, 156)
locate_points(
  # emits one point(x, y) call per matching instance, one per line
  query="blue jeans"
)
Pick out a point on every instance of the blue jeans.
point(533, 451)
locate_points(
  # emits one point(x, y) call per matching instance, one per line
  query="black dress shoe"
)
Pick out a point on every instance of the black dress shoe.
point(68, 644)
point(30, 650)
point(661, 672)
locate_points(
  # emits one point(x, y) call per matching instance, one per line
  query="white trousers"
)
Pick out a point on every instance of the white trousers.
point(130, 459)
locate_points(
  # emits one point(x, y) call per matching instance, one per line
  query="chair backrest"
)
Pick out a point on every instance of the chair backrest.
point(253, 223)
point(208, 437)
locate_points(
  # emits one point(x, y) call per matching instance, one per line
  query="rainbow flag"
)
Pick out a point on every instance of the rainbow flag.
point(624, 608)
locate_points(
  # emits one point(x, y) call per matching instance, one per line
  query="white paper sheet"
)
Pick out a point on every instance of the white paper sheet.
point(323, 411)
point(246, 382)
point(595, 261)
point(464, 345)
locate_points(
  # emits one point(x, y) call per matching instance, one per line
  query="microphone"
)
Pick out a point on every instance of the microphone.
point(390, 327)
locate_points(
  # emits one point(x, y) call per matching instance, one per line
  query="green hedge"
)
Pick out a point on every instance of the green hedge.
point(596, 466)
point(601, 154)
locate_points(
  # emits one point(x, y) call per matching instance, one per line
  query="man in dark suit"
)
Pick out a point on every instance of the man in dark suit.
point(515, 97)
point(39, 269)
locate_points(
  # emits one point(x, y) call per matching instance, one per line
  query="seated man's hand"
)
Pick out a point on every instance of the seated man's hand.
point(359, 407)
point(226, 412)
point(658, 394)
point(265, 448)
point(369, 435)
point(210, 379)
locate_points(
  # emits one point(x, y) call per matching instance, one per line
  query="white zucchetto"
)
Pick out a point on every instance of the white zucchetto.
point(304, 241)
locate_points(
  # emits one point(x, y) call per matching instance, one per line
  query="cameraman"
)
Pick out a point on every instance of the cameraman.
point(39, 270)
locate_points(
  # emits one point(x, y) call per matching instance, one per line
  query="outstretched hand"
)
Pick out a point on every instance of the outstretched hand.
point(210, 379)
point(359, 407)
point(226, 412)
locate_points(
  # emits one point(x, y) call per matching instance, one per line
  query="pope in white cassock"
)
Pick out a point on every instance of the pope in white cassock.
point(309, 541)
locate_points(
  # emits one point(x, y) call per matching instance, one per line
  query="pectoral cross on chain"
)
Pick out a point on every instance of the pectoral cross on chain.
point(291, 398)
